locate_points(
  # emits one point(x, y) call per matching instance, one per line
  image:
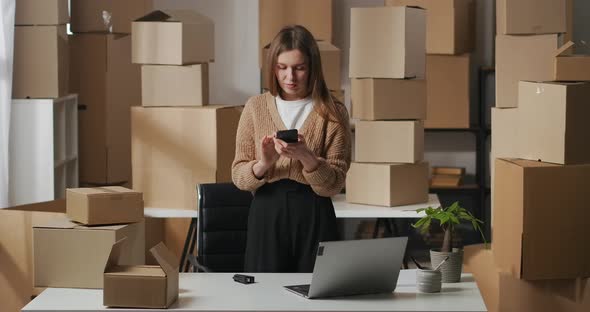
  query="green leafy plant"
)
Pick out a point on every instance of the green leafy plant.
point(448, 218)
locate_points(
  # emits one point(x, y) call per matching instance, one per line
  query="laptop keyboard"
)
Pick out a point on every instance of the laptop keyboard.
point(302, 289)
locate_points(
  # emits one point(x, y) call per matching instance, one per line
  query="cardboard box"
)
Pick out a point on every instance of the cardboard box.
point(450, 27)
point(114, 16)
point(553, 123)
point(386, 99)
point(389, 141)
point(104, 205)
point(163, 85)
point(387, 184)
point(146, 286)
point(73, 256)
point(16, 249)
point(387, 42)
point(40, 62)
point(448, 91)
point(174, 148)
point(173, 38)
point(330, 56)
point(457, 171)
point(46, 12)
point(540, 219)
point(502, 292)
point(530, 17)
point(107, 85)
point(571, 67)
point(445, 180)
point(273, 15)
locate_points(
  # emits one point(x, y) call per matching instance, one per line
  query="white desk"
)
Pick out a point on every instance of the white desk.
point(169, 213)
point(344, 209)
point(218, 292)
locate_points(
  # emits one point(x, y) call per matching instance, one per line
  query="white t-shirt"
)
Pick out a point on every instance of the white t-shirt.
point(294, 113)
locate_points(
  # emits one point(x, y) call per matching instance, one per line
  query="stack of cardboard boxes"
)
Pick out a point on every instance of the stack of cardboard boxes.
point(450, 37)
point(387, 61)
point(107, 83)
point(178, 139)
point(316, 16)
point(538, 261)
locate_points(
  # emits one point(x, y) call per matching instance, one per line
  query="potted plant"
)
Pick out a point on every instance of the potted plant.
point(447, 218)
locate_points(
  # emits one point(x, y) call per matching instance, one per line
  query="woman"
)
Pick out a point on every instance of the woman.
point(292, 182)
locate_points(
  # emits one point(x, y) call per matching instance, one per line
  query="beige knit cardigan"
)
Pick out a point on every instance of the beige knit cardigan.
point(330, 141)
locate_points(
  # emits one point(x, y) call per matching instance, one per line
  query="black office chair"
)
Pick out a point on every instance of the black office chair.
point(222, 226)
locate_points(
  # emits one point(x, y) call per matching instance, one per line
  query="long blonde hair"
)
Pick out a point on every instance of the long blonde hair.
point(297, 37)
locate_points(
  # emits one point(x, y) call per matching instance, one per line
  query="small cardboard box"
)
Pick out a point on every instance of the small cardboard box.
point(45, 12)
point(387, 42)
point(171, 85)
point(40, 62)
point(111, 16)
point(448, 91)
point(145, 286)
point(450, 26)
point(104, 205)
point(69, 255)
point(552, 122)
point(315, 15)
point(389, 141)
point(174, 148)
point(107, 85)
point(388, 99)
point(173, 38)
point(457, 171)
point(530, 17)
point(330, 56)
point(387, 184)
point(540, 209)
point(445, 180)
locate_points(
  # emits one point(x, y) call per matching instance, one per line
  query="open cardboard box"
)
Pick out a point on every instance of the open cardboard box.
point(141, 286)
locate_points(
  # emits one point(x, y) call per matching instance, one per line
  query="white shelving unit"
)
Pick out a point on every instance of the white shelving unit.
point(43, 148)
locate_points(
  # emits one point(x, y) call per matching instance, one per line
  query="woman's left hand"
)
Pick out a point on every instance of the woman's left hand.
point(298, 151)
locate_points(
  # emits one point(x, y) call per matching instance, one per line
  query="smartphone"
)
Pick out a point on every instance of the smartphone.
point(289, 136)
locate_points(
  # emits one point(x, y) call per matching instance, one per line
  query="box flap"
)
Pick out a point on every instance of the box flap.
point(165, 258)
point(564, 48)
point(114, 255)
point(528, 163)
point(175, 16)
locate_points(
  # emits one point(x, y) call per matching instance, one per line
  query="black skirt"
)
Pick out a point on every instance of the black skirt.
point(287, 221)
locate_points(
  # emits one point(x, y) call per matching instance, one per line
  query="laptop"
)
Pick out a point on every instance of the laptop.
point(354, 267)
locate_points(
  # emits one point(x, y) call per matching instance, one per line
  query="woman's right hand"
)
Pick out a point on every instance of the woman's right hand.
point(268, 156)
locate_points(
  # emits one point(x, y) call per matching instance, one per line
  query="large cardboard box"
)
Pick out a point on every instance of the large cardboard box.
point(175, 148)
point(522, 58)
point(389, 141)
point(450, 27)
point(315, 15)
point(530, 17)
point(330, 56)
point(114, 16)
point(145, 286)
point(387, 184)
point(74, 256)
point(104, 205)
point(448, 88)
point(387, 42)
point(40, 62)
point(46, 12)
point(16, 249)
point(540, 219)
point(504, 293)
point(107, 85)
point(173, 38)
point(171, 85)
point(386, 99)
point(553, 125)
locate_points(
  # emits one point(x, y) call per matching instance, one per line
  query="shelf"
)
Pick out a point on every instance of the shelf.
point(472, 129)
